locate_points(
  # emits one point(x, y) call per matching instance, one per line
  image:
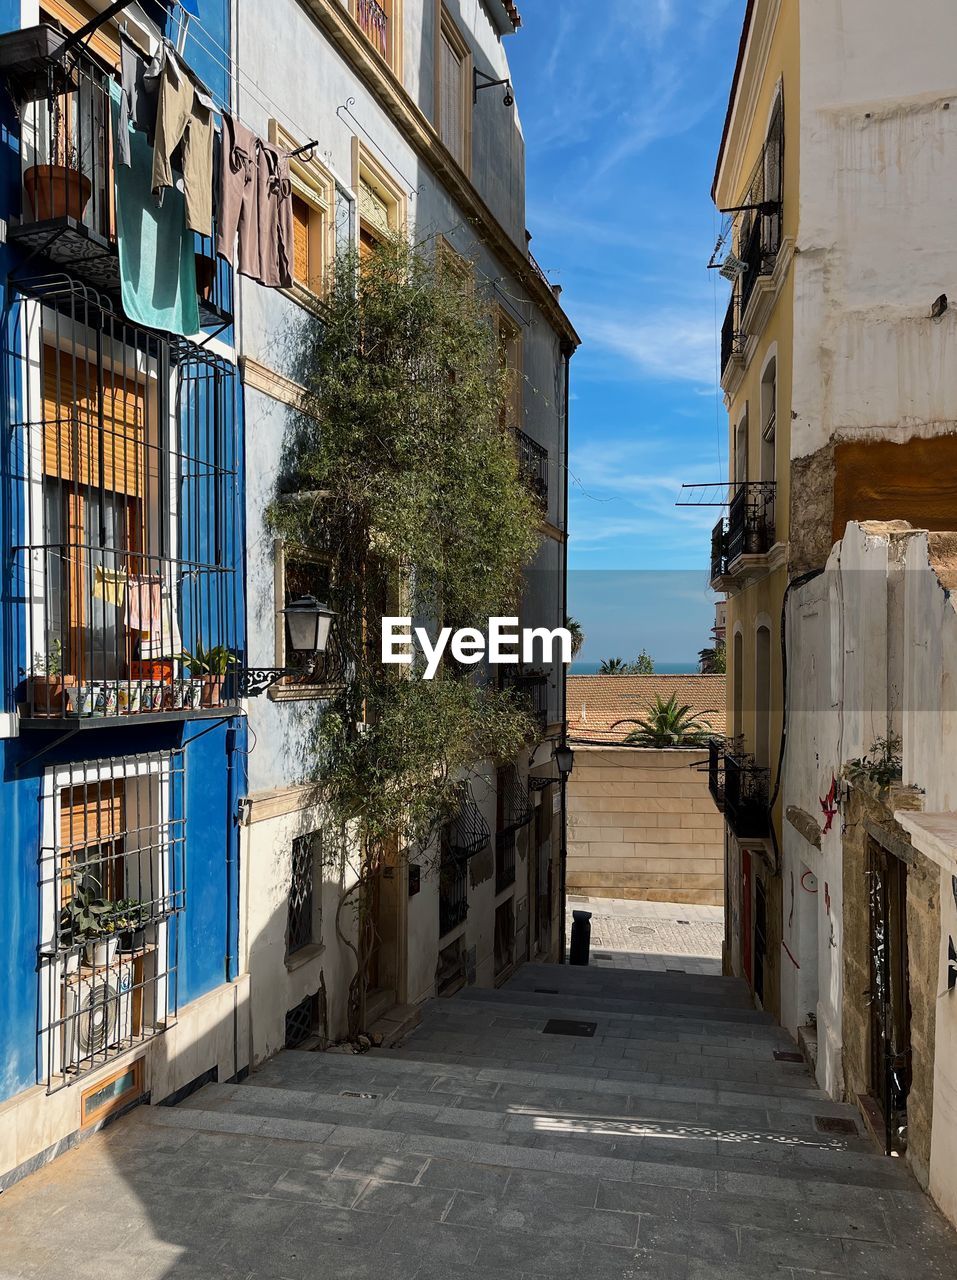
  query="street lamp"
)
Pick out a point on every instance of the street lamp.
point(564, 759)
point(309, 624)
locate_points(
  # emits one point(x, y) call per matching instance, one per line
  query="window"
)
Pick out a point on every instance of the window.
point(741, 451)
point(298, 575)
point(381, 23)
point(314, 218)
point(453, 91)
point(304, 926)
point(111, 883)
point(381, 201)
point(511, 361)
point(762, 698)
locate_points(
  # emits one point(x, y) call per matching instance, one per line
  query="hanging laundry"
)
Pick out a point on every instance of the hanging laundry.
point(109, 585)
point(156, 253)
point(275, 218)
point(184, 119)
point(151, 611)
point(238, 196)
point(139, 101)
point(255, 201)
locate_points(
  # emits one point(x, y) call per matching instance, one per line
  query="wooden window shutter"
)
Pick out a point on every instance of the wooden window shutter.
point(301, 217)
point(92, 816)
point(452, 126)
point(75, 447)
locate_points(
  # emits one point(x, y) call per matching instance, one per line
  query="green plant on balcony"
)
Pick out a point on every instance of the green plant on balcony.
point(882, 765)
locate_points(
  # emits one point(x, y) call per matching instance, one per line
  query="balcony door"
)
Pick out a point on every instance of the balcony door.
point(96, 484)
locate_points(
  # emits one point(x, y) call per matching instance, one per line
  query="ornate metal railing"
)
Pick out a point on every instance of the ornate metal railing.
point(719, 549)
point(716, 755)
point(751, 520)
point(732, 338)
point(746, 794)
point(533, 465)
point(374, 21)
point(453, 890)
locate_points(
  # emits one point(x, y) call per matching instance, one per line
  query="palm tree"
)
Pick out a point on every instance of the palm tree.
point(713, 662)
point(613, 667)
point(574, 628)
point(668, 724)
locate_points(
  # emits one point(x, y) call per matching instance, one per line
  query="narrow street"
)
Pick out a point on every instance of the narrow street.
point(575, 1122)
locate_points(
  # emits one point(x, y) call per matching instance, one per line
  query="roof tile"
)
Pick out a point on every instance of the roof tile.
point(595, 703)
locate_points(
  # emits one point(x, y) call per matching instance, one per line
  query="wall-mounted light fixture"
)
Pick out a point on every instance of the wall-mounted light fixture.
point(480, 81)
point(309, 624)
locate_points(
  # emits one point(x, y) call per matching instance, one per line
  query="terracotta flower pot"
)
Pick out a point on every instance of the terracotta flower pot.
point(57, 191)
point(213, 690)
point(48, 694)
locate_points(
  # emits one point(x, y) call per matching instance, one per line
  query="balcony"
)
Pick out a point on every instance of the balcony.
point(531, 688)
point(68, 208)
point(719, 553)
point(750, 521)
point(126, 522)
point(716, 754)
point(533, 466)
point(374, 21)
point(746, 797)
point(732, 339)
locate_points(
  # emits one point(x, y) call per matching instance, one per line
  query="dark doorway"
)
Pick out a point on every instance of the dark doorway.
point(890, 1058)
point(760, 935)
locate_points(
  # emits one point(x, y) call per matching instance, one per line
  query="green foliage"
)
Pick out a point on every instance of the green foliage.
point(50, 663)
point(668, 724)
point(215, 661)
point(642, 666)
point(399, 472)
point(882, 765)
point(574, 628)
point(87, 916)
point(714, 662)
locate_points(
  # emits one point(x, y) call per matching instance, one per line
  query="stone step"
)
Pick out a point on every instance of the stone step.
point(603, 1004)
point(243, 1108)
point(391, 1069)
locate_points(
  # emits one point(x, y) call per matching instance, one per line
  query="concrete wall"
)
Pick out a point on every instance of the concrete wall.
point(642, 825)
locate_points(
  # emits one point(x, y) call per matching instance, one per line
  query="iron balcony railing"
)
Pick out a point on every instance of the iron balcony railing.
point(374, 21)
point(123, 517)
point(746, 797)
point(533, 466)
point(716, 755)
point(719, 550)
point(750, 520)
point(532, 688)
point(756, 233)
point(68, 205)
point(504, 860)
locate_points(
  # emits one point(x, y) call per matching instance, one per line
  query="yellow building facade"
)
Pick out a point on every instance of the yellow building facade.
point(756, 183)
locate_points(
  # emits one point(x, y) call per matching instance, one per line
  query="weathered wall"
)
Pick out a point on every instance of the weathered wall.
point(923, 942)
point(642, 825)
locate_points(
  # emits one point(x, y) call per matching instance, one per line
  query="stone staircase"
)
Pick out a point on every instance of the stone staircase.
point(601, 1124)
point(577, 1122)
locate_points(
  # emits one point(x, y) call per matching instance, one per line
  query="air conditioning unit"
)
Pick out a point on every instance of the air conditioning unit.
point(97, 1013)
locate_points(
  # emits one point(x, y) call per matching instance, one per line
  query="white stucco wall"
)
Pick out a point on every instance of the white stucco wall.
point(878, 165)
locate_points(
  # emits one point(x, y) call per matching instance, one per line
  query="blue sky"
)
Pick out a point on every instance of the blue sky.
point(622, 104)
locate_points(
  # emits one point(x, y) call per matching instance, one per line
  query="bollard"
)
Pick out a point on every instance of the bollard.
point(581, 937)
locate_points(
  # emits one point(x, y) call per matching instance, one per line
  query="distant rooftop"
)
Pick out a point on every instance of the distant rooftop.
point(596, 702)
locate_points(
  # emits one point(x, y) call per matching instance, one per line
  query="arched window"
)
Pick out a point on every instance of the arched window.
point(737, 685)
point(769, 410)
point(762, 697)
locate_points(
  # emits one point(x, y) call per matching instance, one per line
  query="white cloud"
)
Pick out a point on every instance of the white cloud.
point(672, 344)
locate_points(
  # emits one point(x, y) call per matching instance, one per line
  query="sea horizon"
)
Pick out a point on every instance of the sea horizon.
point(661, 668)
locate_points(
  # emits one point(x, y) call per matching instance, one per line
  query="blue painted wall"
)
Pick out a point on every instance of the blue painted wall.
point(214, 752)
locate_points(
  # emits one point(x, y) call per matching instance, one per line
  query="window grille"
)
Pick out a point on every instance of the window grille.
point(453, 889)
point(504, 860)
point(112, 884)
point(306, 852)
point(301, 1021)
point(124, 517)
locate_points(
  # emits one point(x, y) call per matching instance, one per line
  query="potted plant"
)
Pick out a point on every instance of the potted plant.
point(90, 920)
point(47, 682)
point(212, 667)
point(132, 918)
point(59, 189)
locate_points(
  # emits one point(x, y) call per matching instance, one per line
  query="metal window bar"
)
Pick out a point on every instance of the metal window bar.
point(532, 688)
point(751, 528)
point(716, 750)
point(514, 807)
point(533, 465)
point(124, 527)
point(467, 832)
point(112, 876)
point(68, 210)
point(757, 224)
point(300, 926)
point(732, 339)
point(453, 889)
point(504, 860)
point(374, 21)
point(719, 549)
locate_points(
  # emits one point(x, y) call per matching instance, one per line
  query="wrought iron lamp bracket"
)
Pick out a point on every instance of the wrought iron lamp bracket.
point(253, 682)
point(481, 80)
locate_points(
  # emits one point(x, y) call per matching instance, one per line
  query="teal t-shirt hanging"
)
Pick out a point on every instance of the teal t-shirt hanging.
point(157, 257)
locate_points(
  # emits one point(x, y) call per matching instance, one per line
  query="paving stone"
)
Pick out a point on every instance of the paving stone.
point(459, 1175)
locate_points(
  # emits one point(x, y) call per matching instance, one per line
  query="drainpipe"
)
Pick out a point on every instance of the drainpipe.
point(563, 854)
point(232, 857)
